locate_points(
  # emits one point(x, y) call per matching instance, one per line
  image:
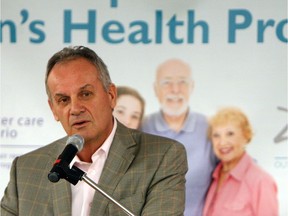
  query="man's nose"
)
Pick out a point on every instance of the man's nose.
point(76, 107)
point(175, 86)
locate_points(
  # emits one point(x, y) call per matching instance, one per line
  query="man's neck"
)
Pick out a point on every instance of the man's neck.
point(91, 146)
point(175, 123)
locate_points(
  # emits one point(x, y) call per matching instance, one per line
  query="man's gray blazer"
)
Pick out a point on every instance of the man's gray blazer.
point(145, 173)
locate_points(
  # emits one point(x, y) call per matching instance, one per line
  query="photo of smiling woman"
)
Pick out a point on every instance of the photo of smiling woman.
point(129, 109)
point(239, 186)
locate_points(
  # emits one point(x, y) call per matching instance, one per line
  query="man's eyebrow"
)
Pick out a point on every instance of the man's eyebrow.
point(81, 88)
point(85, 86)
point(60, 95)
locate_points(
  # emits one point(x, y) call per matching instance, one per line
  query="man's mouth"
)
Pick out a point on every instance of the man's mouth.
point(79, 124)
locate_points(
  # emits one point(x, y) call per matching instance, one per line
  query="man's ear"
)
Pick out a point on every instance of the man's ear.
point(192, 85)
point(112, 91)
point(53, 110)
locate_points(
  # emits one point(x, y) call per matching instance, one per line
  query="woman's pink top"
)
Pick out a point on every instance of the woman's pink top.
point(248, 190)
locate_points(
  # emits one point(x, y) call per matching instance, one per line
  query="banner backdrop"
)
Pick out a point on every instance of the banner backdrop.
point(237, 51)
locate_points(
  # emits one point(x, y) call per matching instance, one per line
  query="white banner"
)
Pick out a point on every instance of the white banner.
point(237, 51)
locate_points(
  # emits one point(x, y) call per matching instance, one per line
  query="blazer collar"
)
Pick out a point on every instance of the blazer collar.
point(121, 155)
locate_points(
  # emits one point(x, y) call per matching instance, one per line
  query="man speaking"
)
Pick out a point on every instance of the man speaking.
point(145, 173)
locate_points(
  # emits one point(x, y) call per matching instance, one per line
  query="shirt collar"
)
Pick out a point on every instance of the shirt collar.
point(238, 171)
point(107, 143)
point(105, 147)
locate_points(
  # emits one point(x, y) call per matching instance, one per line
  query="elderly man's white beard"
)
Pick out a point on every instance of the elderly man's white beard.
point(175, 111)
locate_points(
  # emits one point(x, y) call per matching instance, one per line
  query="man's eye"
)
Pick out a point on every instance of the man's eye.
point(165, 83)
point(62, 100)
point(86, 94)
point(183, 82)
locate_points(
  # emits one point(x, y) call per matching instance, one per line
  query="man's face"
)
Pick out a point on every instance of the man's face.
point(79, 101)
point(173, 87)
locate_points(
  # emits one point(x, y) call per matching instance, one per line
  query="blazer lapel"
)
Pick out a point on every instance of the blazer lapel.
point(121, 154)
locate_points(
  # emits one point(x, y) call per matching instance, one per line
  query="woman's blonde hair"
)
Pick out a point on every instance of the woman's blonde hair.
point(231, 115)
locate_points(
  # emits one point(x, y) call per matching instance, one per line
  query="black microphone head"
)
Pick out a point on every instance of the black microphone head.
point(76, 140)
point(61, 168)
point(54, 177)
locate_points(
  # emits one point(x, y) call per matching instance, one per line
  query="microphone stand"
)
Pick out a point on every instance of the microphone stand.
point(90, 182)
point(75, 174)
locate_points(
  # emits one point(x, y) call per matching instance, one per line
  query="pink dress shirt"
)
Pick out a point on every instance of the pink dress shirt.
point(248, 190)
point(82, 193)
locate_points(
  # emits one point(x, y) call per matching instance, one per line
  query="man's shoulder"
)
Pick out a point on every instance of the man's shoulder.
point(199, 116)
point(151, 117)
point(144, 138)
point(150, 136)
point(39, 160)
point(142, 144)
point(149, 122)
point(53, 149)
point(155, 116)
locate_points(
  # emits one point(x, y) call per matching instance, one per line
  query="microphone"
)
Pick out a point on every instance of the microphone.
point(74, 144)
point(61, 169)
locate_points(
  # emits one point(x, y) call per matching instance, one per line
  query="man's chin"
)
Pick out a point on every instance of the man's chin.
point(174, 112)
